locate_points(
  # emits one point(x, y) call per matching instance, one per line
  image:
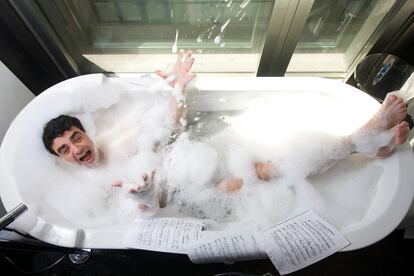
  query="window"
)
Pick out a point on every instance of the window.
point(251, 37)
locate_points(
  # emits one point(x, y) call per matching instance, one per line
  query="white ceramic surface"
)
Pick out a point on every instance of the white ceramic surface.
point(394, 191)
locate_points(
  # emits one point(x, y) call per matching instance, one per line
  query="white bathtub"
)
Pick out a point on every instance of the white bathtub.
point(391, 203)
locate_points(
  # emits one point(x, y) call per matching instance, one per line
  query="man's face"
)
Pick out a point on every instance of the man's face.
point(76, 147)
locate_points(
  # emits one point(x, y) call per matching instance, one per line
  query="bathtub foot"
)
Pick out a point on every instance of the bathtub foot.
point(80, 256)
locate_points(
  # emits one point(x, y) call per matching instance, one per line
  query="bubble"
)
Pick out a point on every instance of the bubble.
point(133, 125)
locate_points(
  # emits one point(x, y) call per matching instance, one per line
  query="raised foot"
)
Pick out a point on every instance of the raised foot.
point(384, 131)
point(392, 111)
point(401, 132)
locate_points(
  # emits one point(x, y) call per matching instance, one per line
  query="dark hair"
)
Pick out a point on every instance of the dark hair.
point(56, 127)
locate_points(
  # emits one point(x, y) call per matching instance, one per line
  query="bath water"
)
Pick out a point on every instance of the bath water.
point(127, 121)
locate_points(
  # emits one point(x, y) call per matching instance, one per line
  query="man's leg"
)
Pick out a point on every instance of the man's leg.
point(384, 131)
point(378, 137)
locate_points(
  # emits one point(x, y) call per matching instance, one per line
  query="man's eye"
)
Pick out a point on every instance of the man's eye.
point(64, 150)
point(77, 138)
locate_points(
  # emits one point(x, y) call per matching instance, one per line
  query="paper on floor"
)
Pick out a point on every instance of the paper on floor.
point(172, 235)
point(291, 245)
point(228, 247)
point(301, 241)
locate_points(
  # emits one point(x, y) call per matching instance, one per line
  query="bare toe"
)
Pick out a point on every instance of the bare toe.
point(402, 105)
point(392, 111)
point(401, 133)
point(399, 101)
point(389, 100)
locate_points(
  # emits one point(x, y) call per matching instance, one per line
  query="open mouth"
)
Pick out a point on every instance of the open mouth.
point(87, 157)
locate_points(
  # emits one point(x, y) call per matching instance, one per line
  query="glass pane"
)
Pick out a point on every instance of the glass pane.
point(138, 36)
point(338, 33)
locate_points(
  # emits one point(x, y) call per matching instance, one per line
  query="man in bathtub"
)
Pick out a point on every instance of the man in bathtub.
point(65, 137)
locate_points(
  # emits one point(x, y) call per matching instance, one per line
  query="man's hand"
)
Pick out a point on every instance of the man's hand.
point(180, 74)
point(144, 191)
point(143, 185)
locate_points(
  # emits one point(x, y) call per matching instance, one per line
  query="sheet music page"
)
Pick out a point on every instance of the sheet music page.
point(301, 241)
point(172, 235)
point(227, 247)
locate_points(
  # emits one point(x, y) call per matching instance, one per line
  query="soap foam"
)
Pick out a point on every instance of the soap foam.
point(129, 120)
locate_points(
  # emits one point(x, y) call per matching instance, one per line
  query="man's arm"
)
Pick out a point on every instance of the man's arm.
point(178, 78)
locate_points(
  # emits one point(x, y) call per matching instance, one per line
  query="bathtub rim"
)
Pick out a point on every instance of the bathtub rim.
point(360, 238)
